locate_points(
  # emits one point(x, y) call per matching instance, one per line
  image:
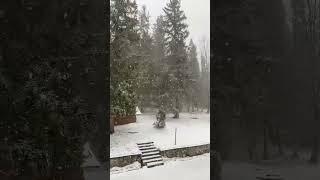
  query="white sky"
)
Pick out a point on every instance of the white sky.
point(197, 12)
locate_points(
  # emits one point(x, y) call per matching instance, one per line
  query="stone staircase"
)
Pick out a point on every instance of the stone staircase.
point(150, 156)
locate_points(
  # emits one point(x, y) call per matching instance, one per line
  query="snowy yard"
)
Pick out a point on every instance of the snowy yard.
point(191, 129)
point(194, 168)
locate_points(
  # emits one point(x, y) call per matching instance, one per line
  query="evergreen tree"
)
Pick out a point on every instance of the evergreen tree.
point(124, 46)
point(204, 83)
point(176, 34)
point(159, 45)
point(144, 28)
point(176, 29)
point(145, 66)
point(159, 41)
point(205, 74)
point(159, 64)
point(194, 81)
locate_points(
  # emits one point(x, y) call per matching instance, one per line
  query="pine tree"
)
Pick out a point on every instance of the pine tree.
point(159, 41)
point(124, 46)
point(124, 20)
point(145, 66)
point(204, 81)
point(159, 64)
point(176, 34)
point(205, 74)
point(194, 74)
point(176, 28)
point(144, 28)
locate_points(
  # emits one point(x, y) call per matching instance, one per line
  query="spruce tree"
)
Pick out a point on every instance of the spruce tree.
point(159, 64)
point(205, 74)
point(144, 30)
point(194, 74)
point(204, 82)
point(176, 34)
point(145, 66)
point(124, 46)
point(159, 41)
point(176, 28)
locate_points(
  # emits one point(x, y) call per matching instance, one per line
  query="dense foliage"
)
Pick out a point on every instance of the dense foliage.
point(124, 56)
point(153, 67)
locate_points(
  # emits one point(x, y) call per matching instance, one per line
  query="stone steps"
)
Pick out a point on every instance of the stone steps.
point(146, 145)
point(150, 155)
point(152, 160)
point(153, 164)
point(150, 150)
point(146, 148)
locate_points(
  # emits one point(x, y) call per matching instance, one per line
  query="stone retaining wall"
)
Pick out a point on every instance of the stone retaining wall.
point(186, 151)
point(166, 152)
point(124, 160)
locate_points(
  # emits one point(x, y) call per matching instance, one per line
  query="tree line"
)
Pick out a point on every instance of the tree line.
point(152, 65)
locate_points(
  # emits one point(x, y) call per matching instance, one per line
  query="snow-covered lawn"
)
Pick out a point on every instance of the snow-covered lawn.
point(191, 129)
point(195, 168)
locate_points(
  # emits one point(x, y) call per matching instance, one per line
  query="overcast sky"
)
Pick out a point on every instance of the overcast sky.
point(197, 12)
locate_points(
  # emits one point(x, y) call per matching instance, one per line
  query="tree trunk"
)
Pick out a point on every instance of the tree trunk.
point(192, 107)
point(176, 114)
point(177, 108)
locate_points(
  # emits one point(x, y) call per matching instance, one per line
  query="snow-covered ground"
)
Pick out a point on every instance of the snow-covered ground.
point(134, 166)
point(191, 129)
point(193, 168)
